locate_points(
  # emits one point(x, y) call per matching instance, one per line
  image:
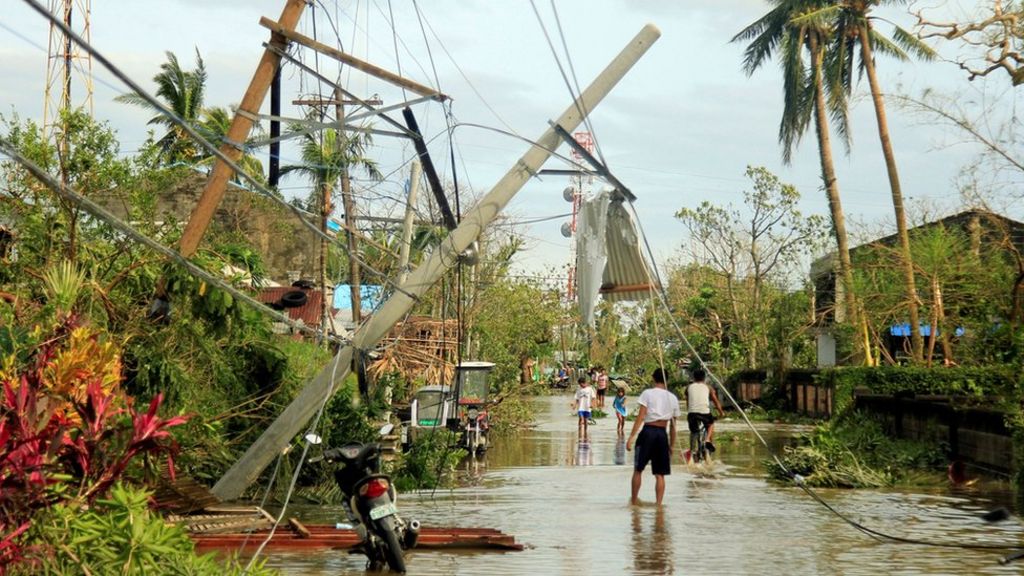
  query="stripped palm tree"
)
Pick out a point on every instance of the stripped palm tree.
point(855, 35)
point(327, 157)
point(810, 89)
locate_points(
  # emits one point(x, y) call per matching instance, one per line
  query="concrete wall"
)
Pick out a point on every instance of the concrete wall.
point(976, 435)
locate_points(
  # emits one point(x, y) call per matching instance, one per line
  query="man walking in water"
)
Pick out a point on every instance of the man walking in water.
point(659, 409)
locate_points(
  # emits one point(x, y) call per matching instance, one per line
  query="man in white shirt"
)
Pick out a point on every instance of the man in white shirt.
point(699, 397)
point(656, 424)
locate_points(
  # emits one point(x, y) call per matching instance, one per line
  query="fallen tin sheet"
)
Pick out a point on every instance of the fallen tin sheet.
point(324, 536)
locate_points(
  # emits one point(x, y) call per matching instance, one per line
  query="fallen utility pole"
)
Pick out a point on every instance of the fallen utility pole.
point(280, 433)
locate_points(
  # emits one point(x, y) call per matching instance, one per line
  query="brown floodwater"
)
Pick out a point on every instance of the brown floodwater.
point(567, 503)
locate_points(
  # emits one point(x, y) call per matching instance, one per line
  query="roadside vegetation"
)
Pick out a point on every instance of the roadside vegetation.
point(106, 397)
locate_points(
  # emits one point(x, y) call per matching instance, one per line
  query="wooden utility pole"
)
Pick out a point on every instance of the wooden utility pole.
point(348, 203)
point(316, 393)
point(237, 134)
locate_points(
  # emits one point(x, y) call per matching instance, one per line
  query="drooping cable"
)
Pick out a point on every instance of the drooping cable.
point(797, 479)
point(101, 213)
point(171, 115)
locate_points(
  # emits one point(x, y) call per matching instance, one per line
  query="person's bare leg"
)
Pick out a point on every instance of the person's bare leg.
point(659, 488)
point(635, 500)
point(711, 431)
point(586, 431)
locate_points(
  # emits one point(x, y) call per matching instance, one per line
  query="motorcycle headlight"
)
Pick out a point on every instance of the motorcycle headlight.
point(473, 413)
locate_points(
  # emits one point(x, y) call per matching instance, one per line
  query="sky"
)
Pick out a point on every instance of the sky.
point(680, 128)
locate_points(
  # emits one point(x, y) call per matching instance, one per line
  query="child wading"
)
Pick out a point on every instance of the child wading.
point(584, 396)
point(620, 409)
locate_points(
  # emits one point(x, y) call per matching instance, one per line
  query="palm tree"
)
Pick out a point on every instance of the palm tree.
point(855, 34)
point(214, 126)
point(327, 158)
point(182, 91)
point(816, 93)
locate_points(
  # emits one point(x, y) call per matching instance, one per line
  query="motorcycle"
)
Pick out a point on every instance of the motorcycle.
point(370, 500)
point(476, 424)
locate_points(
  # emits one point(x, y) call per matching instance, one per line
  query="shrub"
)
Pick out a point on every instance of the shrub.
point(118, 535)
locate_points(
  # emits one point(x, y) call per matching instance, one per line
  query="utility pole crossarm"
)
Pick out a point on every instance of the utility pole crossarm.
point(309, 400)
point(362, 65)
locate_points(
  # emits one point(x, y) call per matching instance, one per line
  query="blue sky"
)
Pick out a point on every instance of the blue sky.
point(679, 129)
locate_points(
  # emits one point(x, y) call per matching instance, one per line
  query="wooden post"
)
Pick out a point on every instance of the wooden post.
point(252, 101)
point(318, 391)
point(349, 205)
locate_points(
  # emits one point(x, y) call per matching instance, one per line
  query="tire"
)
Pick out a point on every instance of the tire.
point(294, 298)
point(392, 549)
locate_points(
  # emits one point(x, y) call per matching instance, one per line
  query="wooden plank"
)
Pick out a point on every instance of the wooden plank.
point(352, 61)
point(324, 536)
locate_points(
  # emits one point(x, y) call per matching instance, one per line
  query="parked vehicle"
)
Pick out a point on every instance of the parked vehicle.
point(432, 407)
point(472, 384)
point(370, 500)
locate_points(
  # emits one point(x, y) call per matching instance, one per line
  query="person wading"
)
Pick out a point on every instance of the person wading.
point(656, 425)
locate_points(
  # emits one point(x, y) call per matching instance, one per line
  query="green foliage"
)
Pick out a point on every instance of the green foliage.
point(430, 462)
point(854, 452)
point(516, 320)
point(991, 383)
point(119, 535)
point(737, 291)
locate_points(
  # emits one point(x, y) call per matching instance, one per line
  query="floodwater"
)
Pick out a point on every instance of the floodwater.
point(568, 503)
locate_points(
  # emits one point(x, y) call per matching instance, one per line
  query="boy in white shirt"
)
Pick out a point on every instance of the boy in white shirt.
point(581, 405)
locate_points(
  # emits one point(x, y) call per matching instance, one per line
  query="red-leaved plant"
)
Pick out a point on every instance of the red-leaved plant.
point(59, 444)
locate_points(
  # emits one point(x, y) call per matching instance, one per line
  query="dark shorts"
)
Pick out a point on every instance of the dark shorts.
point(585, 414)
point(652, 446)
point(693, 418)
point(601, 391)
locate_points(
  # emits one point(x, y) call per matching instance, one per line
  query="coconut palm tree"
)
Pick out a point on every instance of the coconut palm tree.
point(182, 91)
point(855, 34)
point(809, 91)
point(214, 126)
point(327, 157)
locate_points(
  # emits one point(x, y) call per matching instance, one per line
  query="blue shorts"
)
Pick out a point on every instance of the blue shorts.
point(652, 446)
point(585, 414)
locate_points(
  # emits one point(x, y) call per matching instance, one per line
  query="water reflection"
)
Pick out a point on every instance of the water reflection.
point(584, 455)
point(575, 520)
point(652, 541)
point(619, 455)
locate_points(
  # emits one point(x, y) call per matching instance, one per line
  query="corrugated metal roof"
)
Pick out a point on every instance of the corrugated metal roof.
point(625, 274)
point(309, 312)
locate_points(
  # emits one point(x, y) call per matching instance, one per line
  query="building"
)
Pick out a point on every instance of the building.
point(985, 230)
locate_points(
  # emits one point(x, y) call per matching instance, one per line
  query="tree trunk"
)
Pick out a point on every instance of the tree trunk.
point(916, 342)
point(325, 211)
point(828, 176)
point(350, 218)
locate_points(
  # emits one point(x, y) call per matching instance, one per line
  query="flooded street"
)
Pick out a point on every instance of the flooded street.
point(568, 504)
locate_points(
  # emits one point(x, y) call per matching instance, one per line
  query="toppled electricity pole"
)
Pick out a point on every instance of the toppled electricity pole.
point(280, 433)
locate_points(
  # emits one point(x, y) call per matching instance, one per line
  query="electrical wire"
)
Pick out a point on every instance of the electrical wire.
point(69, 194)
point(797, 479)
point(171, 115)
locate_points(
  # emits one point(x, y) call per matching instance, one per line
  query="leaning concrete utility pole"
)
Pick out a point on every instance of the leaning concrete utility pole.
point(308, 402)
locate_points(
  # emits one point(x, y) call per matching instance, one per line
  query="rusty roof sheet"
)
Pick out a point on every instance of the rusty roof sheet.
point(309, 312)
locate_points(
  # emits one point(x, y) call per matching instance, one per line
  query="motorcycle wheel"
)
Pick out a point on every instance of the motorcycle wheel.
point(392, 549)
